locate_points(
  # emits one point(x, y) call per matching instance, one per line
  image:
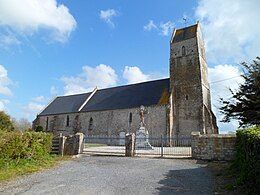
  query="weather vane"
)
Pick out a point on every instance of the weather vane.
point(185, 19)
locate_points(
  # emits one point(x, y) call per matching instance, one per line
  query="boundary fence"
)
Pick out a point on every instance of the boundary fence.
point(159, 146)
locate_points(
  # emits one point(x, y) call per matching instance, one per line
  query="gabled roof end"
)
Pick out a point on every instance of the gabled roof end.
point(47, 105)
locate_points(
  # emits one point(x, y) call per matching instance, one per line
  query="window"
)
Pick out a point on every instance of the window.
point(90, 125)
point(68, 121)
point(130, 118)
point(47, 123)
point(183, 51)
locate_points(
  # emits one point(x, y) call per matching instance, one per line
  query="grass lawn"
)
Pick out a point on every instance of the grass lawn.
point(13, 168)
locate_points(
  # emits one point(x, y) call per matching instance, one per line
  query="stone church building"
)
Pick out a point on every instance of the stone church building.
point(175, 106)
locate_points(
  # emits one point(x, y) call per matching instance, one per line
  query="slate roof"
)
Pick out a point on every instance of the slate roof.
point(65, 104)
point(127, 96)
point(185, 33)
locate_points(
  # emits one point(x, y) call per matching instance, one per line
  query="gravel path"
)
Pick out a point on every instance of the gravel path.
point(116, 175)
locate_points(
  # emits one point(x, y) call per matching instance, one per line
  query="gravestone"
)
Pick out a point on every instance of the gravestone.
point(122, 138)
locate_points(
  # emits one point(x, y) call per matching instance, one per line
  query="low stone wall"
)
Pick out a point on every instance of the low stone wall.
point(213, 146)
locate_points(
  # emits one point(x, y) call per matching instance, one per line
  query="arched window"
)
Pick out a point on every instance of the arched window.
point(47, 123)
point(68, 121)
point(90, 125)
point(183, 51)
point(130, 118)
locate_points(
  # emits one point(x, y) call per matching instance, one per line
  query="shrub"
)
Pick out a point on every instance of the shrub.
point(28, 145)
point(5, 122)
point(39, 129)
point(247, 161)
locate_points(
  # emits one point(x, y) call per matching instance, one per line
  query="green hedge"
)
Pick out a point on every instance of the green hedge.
point(247, 161)
point(28, 145)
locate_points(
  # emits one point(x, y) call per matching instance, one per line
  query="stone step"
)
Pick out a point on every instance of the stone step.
point(54, 147)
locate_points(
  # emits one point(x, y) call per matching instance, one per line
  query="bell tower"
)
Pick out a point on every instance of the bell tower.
point(189, 87)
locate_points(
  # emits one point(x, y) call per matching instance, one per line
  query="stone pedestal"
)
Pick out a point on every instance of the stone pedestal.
point(130, 145)
point(142, 139)
point(73, 144)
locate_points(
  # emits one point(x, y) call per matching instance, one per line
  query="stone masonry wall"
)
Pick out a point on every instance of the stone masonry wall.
point(213, 146)
point(191, 105)
point(107, 122)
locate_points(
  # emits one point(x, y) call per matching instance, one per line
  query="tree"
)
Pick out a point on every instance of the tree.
point(21, 124)
point(5, 122)
point(244, 104)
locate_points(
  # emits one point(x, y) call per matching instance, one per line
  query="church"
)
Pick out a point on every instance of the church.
point(175, 106)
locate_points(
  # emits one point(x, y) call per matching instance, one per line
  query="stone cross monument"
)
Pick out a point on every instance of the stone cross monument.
point(142, 112)
point(142, 135)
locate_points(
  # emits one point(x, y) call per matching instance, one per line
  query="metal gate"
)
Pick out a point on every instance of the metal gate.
point(104, 145)
point(177, 147)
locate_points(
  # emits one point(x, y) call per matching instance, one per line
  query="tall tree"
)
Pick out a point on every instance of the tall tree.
point(5, 122)
point(244, 104)
point(21, 125)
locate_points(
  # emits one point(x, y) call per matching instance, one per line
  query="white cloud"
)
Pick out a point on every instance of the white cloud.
point(7, 40)
point(54, 90)
point(150, 26)
point(166, 28)
point(230, 29)
point(101, 76)
point(29, 16)
point(107, 16)
point(3, 104)
point(39, 99)
point(31, 110)
point(223, 78)
point(133, 74)
point(163, 28)
point(4, 82)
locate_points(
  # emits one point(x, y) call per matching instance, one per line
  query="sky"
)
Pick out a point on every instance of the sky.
point(60, 47)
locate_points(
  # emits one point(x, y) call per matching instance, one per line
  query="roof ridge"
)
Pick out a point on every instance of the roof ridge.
point(113, 87)
point(133, 84)
point(88, 98)
point(187, 27)
point(74, 94)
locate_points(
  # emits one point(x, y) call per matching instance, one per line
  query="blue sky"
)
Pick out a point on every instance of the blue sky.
point(58, 47)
